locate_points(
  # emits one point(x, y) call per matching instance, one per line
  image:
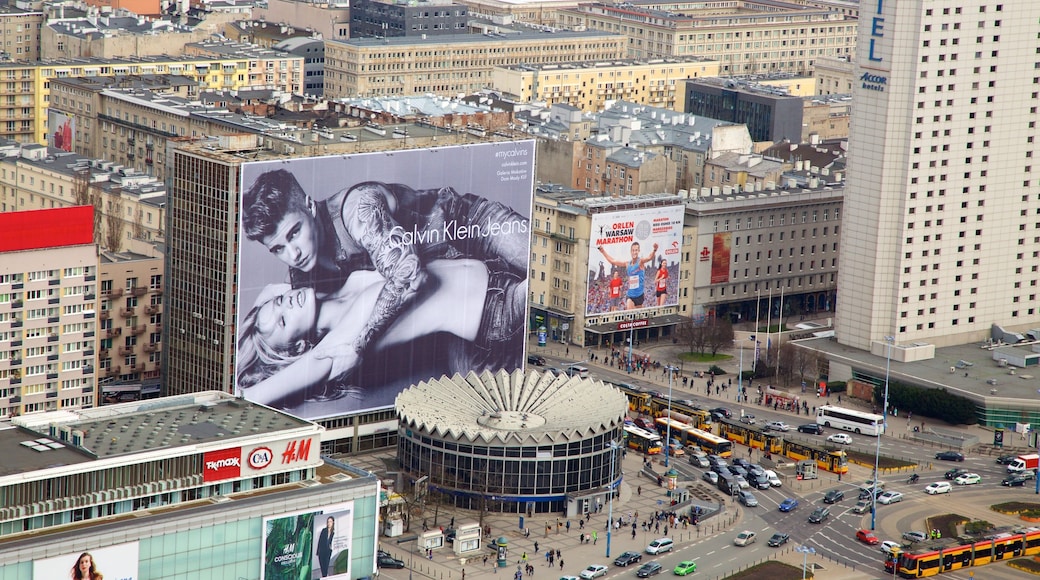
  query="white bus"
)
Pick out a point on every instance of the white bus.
point(850, 420)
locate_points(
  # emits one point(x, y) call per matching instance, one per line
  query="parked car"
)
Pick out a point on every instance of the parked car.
point(915, 536)
point(685, 567)
point(777, 426)
point(748, 419)
point(840, 438)
point(384, 560)
point(968, 479)
point(778, 539)
point(818, 515)
point(627, 558)
point(593, 571)
point(536, 360)
point(812, 428)
point(867, 537)
point(834, 496)
point(649, 569)
point(788, 504)
point(744, 538)
point(890, 497)
point(748, 499)
point(938, 487)
point(949, 456)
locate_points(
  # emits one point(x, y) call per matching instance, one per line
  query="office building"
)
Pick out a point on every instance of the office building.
point(543, 13)
point(942, 220)
point(386, 18)
point(451, 64)
point(770, 113)
point(48, 310)
point(590, 85)
point(748, 39)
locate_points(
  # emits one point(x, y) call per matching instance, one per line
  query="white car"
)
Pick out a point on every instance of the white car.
point(938, 487)
point(968, 479)
point(742, 482)
point(773, 479)
point(593, 571)
point(841, 438)
point(744, 538)
point(890, 497)
point(778, 426)
point(891, 548)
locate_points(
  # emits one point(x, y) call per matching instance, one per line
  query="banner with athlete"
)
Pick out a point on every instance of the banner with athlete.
point(634, 258)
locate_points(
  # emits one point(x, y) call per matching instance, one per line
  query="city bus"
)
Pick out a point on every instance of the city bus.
point(850, 420)
point(640, 439)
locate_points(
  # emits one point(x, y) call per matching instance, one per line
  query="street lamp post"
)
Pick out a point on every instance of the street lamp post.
point(805, 551)
point(610, 486)
point(884, 427)
point(668, 428)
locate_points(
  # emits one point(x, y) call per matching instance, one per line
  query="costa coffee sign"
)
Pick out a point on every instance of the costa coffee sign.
point(263, 458)
point(223, 464)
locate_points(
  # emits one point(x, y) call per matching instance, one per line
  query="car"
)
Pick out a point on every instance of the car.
point(722, 411)
point(777, 426)
point(938, 487)
point(660, 546)
point(627, 558)
point(867, 537)
point(915, 536)
point(788, 504)
point(744, 538)
point(741, 462)
point(711, 477)
point(384, 560)
point(685, 567)
point(737, 470)
point(773, 479)
point(968, 479)
point(890, 497)
point(818, 515)
point(698, 460)
point(891, 548)
point(748, 419)
point(761, 481)
point(536, 360)
point(1028, 474)
point(862, 506)
point(810, 428)
point(950, 456)
point(742, 482)
point(955, 473)
point(869, 484)
point(1014, 481)
point(717, 461)
point(755, 470)
point(644, 423)
point(840, 438)
point(865, 493)
point(649, 569)
point(748, 499)
point(1006, 459)
point(834, 496)
point(593, 571)
point(778, 539)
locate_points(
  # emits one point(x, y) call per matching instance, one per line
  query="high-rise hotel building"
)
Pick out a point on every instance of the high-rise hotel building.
point(941, 235)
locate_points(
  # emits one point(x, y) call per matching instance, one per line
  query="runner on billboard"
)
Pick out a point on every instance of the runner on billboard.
point(636, 274)
point(662, 283)
point(292, 341)
point(616, 303)
point(378, 226)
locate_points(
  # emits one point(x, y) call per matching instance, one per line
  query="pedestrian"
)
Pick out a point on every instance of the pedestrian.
point(581, 538)
point(485, 560)
point(452, 525)
point(595, 536)
point(561, 563)
point(536, 547)
point(463, 574)
point(524, 557)
point(568, 526)
point(581, 524)
point(639, 490)
point(633, 531)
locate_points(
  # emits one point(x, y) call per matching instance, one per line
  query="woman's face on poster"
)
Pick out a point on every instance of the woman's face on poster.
point(288, 318)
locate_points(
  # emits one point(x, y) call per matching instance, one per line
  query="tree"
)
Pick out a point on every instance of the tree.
point(718, 334)
point(115, 223)
point(692, 335)
point(805, 361)
point(786, 357)
point(85, 193)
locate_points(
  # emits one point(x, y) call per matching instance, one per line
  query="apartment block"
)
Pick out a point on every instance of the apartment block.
point(267, 68)
point(536, 13)
point(590, 85)
point(748, 39)
point(119, 34)
point(452, 64)
point(130, 314)
point(48, 310)
point(384, 18)
point(20, 33)
point(330, 19)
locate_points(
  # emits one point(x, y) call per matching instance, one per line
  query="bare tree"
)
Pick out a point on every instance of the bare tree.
point(138, 231)
point(692, 335)
point(719, 333)
point(806, 361)
point(115, 224)
point(85, 193)
point(787, 359)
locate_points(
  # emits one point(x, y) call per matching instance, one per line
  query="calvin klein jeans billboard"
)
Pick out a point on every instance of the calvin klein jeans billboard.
point(360, 275)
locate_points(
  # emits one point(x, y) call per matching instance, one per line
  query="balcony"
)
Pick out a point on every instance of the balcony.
point(151, 347)
point(157, 289)
point(16, 304)
point(52, 338)
point(137, 330)
point(152, 309)
point(105, 314)
point(112, 293)
point(138, 291)
point(127, 312)
point(87, 370)
point(158, 327)
point(104, 353)
point(137, 368)
point(113, 371)
point(16, 324)
point(54, 281)
point(126, 350)
point(113, 332)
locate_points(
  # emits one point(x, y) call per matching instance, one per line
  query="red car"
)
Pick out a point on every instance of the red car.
point(644, 423)
point(867, 537)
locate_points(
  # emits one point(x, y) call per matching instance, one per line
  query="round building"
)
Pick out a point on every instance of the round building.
point(513, 442)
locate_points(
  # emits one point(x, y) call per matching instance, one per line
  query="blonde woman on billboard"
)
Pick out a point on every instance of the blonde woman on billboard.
point(291, 341)
point(635, 269)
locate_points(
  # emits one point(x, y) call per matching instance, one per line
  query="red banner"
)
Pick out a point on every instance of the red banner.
point(223, 464)
point(720, 258)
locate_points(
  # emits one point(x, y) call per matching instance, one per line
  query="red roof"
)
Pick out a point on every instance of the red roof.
point(46, 228)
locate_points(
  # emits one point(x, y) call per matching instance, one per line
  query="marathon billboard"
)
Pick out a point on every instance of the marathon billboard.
point(634, 258)
point(119, 562)
point(360, 275)
point(254, 460)
point(308, 544)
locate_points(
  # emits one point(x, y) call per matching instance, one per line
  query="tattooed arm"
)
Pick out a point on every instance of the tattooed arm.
point(368, 217)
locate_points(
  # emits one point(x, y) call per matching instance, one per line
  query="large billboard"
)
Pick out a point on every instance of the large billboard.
point(634, 259)
point(360, 275)
point(61, 130)
point(714, 258)
point(308, 545)
point(119, 562)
